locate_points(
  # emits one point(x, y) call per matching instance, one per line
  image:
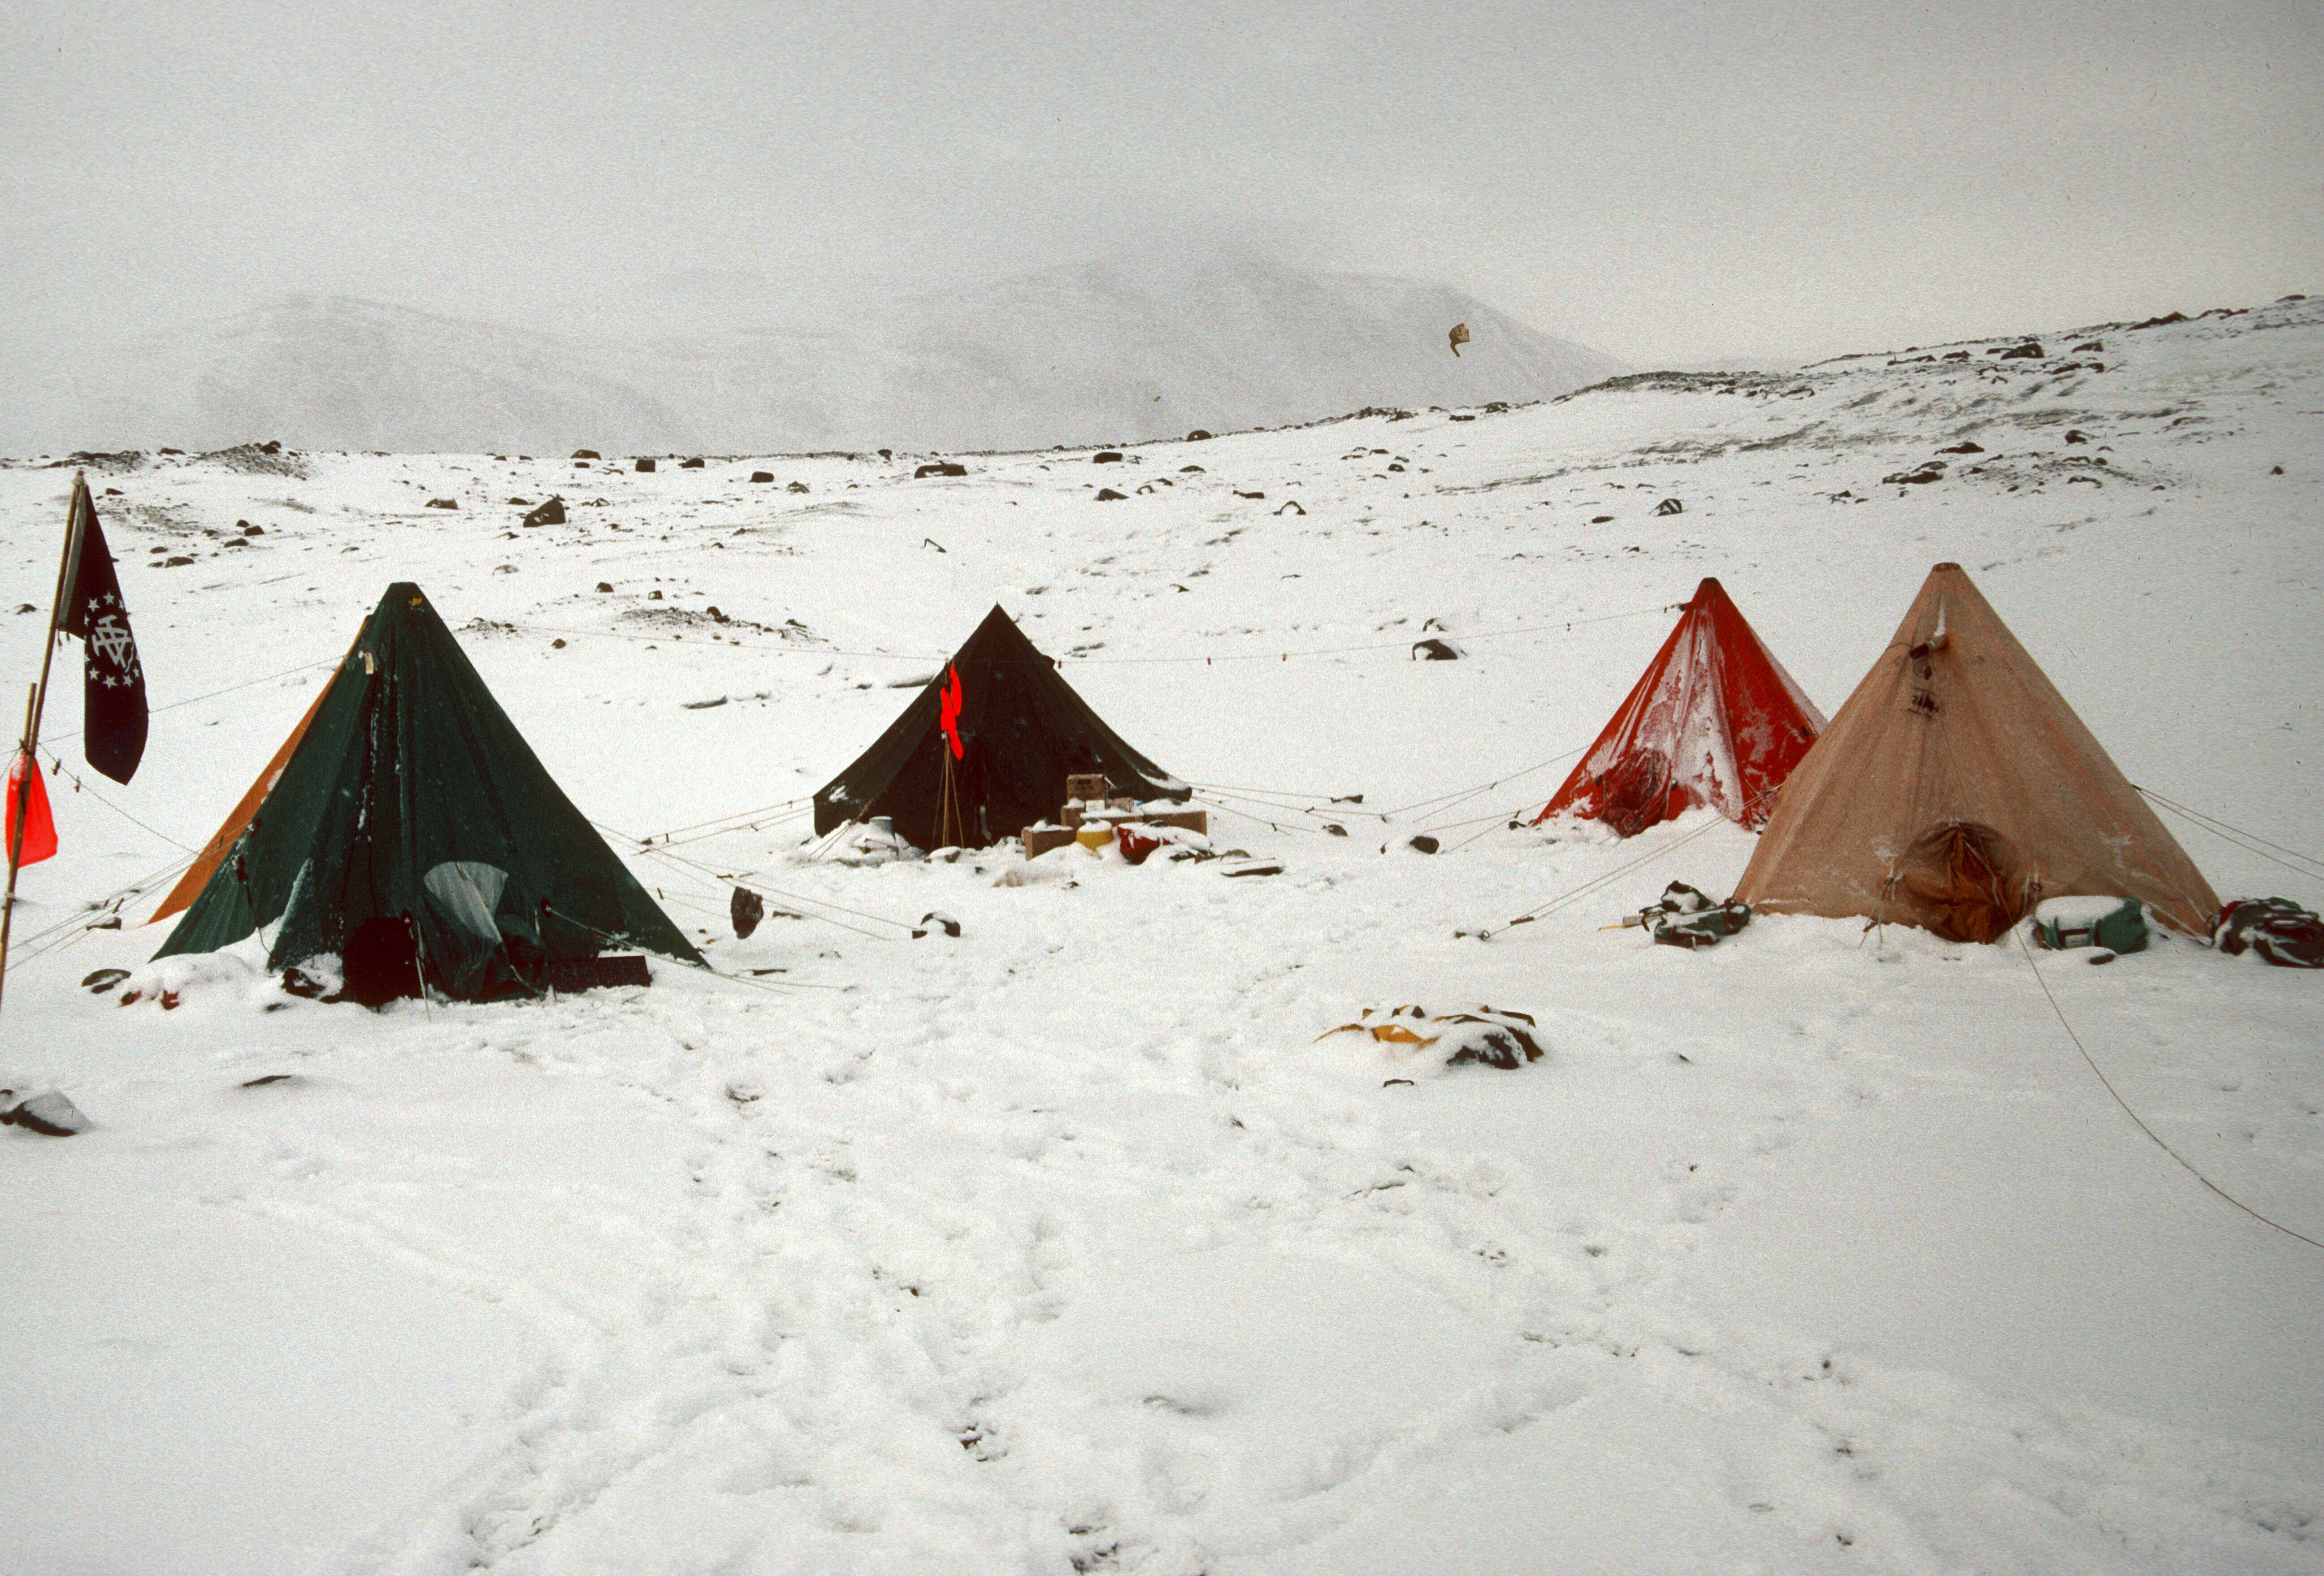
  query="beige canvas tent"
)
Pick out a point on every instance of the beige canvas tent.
point(1956, 789)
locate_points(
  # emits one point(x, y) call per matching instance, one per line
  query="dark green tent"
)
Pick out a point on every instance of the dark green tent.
point(1021, 732)
point(410, 798)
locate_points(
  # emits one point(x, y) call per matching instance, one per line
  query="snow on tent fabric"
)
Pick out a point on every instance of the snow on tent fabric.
point(1715, 720)
point(1022, 731)
point(409, 792)
point(1957, 790)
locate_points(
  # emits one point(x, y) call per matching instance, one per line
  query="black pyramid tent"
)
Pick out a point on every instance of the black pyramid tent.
point(1021, 732)
point(409, 792)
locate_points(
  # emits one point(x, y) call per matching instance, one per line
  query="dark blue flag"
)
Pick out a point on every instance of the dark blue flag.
point(113, 683)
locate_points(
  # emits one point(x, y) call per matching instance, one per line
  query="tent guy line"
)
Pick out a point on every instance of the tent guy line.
point(789, 648)
point(2108, 1084)
point(213, 694)
point(2238, 836)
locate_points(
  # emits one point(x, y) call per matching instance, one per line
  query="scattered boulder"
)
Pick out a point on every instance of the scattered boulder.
point(1198, 436)
point(762, 476)
point(2164, 321)
point(1197, 470)
point(2075, 435)
point(940, 468)
point(1436, 649)
point(796, 487)
point(586, 454)
point(443, 504)
point(2094, 346)
point(1109, 456)
point(1107, 495)
point(1670, 506)
point(644, 467)
point(605, 584)
point(746, 909)
point(551, 512)
point(690, 465)
point(1956, 356)
point(48, 1113)
point(176, 563)
point(1293, 504)
point(271, 445)
point(936, 920)
point(103, 980)
point(1241, 494)
point(1599, 519)
point(249, 530)
point(1963, 446)
point(1934, 471)
point(2029, 351)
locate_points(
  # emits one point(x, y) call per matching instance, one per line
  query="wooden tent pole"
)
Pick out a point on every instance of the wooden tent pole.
point(37, 702)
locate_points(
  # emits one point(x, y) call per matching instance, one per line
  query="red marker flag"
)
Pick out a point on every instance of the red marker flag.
point(951, 697)
point(28, 803)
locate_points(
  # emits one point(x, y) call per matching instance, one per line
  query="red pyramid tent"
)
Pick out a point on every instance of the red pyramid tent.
point(1715, 720)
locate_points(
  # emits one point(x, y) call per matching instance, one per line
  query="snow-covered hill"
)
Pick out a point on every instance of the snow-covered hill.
point(1122, 350)
point(1068, 1244)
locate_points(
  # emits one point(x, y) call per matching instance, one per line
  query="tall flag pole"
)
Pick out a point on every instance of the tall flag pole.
point(87, 604)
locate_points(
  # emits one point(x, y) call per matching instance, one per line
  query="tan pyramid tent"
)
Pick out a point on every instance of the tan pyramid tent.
point(1956, 789)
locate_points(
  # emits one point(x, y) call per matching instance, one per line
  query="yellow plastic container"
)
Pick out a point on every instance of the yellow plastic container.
point(1094, 837)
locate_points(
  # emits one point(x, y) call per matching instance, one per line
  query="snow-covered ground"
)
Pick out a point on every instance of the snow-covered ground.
point(1068, 1245)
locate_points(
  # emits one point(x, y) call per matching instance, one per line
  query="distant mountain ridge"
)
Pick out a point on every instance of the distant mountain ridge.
point(1120, 350)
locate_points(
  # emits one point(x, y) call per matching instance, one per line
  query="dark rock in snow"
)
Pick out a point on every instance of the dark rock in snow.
point(1670, 506)
point(1107, 495)
point(1964, 446)
point(940, 468)
point(762, 476)
point(1196, 470)
point(2075, 435)
point(796, 487)
point(1111, 456)
point(48, 1113)
point(1242, 495)
point(1934, 471)
point(936, 920)
point(644, 467)
point(746, 909)
point(586, 454)
point(443, 504)
point(1434, 650)
point(104, 979)
point(1197, 435)
point(551, 512)
point(605, 584)
point(2029, 351)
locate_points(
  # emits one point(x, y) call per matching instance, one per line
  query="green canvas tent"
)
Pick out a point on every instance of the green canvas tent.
point(409, 798)
point(984, 750)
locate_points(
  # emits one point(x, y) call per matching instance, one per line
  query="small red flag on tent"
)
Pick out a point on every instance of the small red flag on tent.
point(951, 698)
point(29, 796)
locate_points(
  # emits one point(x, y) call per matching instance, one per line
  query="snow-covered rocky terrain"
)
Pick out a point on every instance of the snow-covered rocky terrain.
point(1118, 350)
point(1076, 1243)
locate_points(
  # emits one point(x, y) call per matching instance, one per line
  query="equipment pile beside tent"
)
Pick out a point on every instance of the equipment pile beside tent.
point(406, 817)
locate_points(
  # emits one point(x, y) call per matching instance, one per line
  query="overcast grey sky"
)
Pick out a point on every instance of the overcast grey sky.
point(1671, 183)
